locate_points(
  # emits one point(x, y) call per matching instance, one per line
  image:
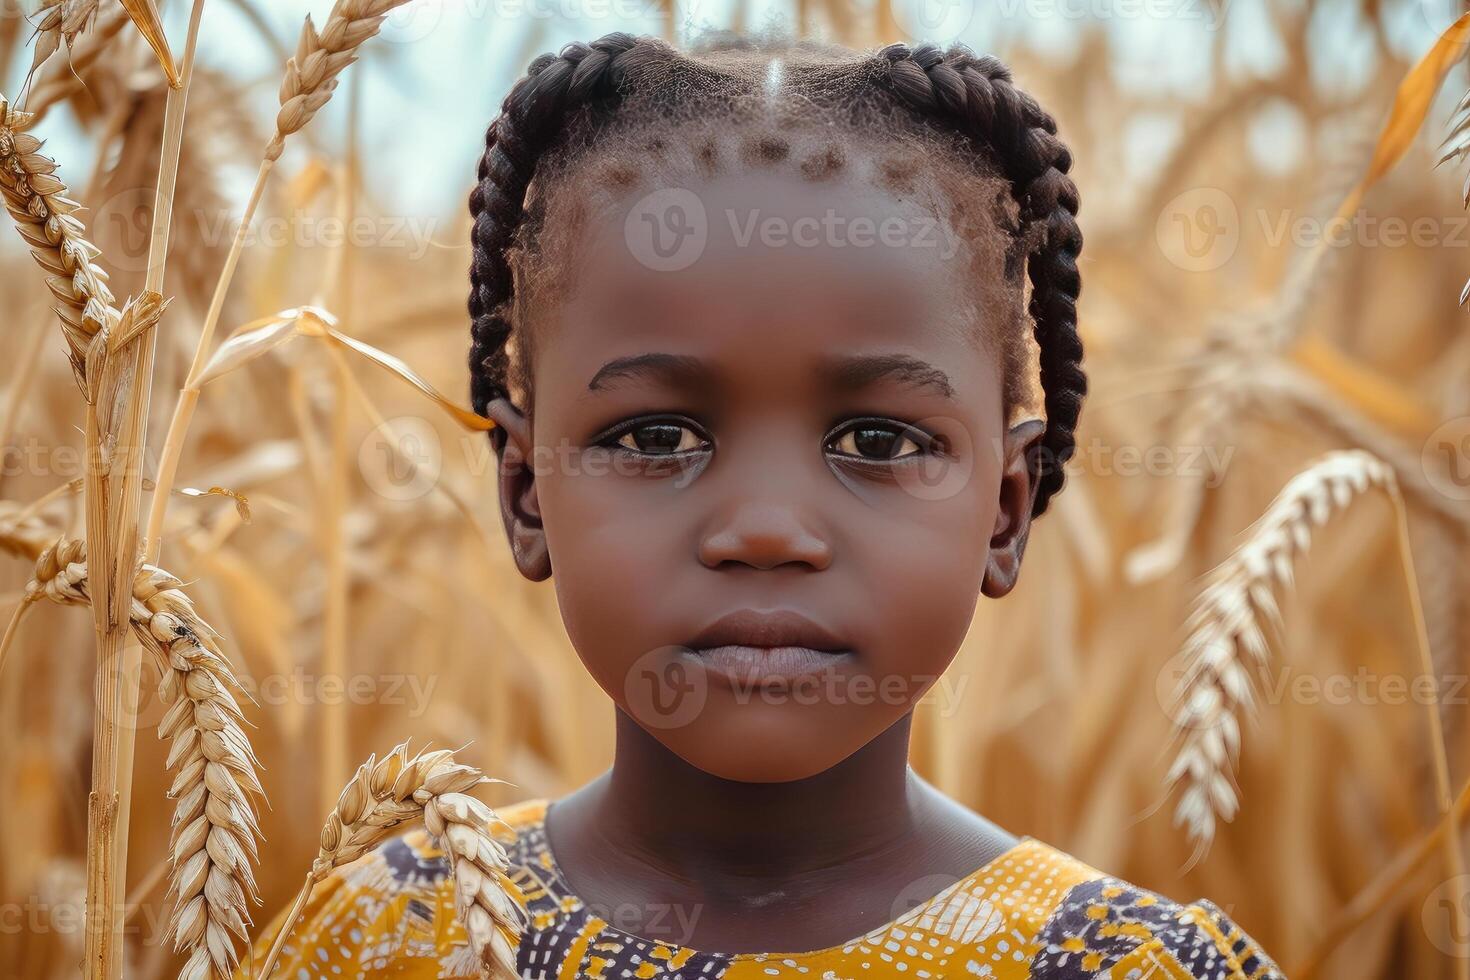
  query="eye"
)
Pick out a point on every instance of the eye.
point(879, 439)
point(657, 437)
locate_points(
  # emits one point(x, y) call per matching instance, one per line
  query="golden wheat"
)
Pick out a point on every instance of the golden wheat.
point(383, 796)
point(45, 218)
point(311, 74)
point(213, 843)
point(1227, 647)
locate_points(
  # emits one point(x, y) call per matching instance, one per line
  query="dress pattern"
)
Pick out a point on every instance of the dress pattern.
point(1034, 913)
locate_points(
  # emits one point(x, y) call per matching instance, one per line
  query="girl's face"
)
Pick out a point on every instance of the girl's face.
point(769, 466)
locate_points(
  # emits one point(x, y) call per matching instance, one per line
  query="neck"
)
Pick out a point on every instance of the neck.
point(692, 824)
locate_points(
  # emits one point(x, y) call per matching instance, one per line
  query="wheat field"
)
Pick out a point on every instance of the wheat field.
point(325, 572)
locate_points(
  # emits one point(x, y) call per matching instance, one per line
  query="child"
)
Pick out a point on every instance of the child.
point(754, 327)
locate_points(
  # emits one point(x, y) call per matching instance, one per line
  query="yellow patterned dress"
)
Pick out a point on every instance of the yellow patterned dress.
point(1034, 913)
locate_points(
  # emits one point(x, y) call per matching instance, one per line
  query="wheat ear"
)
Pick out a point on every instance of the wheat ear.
point(213, 844)
point(311, 74)
point(382, 796)
point(1227, 647)
point(45, 218)
point(1227, 641)
point(60, 20)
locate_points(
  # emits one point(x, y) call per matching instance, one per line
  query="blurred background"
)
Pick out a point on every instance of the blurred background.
point(364, 590)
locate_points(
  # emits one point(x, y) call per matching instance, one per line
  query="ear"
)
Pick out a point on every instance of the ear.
point(516, 477)
point(1019, 481)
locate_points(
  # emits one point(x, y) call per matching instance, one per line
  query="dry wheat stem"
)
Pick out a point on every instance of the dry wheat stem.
point(386, 794)
point(213, 843)
point(1381, 890)
point(310, 77)
point(121, 533)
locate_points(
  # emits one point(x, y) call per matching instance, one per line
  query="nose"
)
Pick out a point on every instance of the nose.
point(764, 534)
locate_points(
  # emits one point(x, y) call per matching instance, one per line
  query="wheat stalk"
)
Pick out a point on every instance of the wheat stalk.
point(1227, 646)
point(45, 218)
point(213, 844)
point(1227, 643)
point(382, 796)
point(309, 80)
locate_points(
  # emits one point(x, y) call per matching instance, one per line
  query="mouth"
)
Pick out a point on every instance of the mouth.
point(750, 649)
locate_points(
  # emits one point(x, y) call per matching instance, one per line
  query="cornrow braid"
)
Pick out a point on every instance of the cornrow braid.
point(530, 118)
point(976, 95)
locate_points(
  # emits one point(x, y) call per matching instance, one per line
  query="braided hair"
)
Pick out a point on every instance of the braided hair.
point(567, 100)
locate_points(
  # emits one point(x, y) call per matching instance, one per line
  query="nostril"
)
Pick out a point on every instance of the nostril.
point(765, 542)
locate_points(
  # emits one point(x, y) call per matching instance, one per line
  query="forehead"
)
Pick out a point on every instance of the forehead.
point(769, 261)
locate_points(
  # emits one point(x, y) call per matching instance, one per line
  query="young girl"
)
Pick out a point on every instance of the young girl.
point(755, 328)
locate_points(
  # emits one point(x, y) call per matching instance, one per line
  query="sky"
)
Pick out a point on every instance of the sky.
point(435, 77)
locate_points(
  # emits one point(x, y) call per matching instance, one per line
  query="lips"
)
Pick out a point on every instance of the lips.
point(753, 649)
point(778, 628)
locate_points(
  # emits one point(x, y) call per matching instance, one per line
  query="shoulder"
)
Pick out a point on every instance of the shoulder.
point(1099, 926)
point(393, 908)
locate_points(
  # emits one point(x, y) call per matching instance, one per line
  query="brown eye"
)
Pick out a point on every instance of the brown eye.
point(661, 439)
point(876, 439)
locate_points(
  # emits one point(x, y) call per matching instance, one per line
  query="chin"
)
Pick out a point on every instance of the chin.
point(751, 743)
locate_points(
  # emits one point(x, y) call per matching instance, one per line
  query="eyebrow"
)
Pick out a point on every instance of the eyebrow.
point(850, 372)
point(861, 370)
point(677, 369)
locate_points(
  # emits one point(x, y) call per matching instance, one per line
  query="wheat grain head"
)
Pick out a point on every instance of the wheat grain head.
point(384, 795)
point(311, 74)
point(45, 218)
point(1228, 646)
point(213, 843)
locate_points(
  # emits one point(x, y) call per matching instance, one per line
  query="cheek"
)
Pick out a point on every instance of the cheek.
point(610, 553)
point(922, 566)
